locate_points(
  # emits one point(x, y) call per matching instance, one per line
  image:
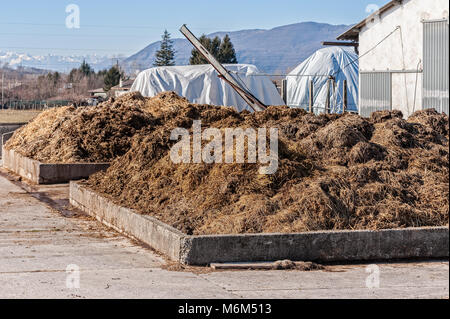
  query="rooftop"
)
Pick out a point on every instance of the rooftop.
point(125, 85)
point(353, 33)
point(97, 91)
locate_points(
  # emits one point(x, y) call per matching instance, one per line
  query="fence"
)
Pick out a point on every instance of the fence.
point(319, 93)
point(33, 105)
point(331, 97)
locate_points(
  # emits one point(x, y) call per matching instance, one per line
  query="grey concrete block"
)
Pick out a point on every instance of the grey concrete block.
point(326, 246)
point(40, 173)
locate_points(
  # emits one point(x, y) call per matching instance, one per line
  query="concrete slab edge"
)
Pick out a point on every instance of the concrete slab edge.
point(42, 173)
point(158, 235)
point(326, 246)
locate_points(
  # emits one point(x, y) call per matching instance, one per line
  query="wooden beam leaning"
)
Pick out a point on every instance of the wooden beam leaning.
point(248, 97)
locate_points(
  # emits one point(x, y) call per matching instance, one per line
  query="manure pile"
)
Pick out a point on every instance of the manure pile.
point(336, 172)
point(90, 134)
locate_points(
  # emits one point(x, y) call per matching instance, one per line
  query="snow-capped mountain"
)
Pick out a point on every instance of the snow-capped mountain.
point(54, 62)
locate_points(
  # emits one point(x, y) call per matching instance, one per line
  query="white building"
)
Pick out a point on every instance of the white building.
point(404, 57)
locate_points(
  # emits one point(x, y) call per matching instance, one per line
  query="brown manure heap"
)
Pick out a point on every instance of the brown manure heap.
point(336, 172)
point(89, 134)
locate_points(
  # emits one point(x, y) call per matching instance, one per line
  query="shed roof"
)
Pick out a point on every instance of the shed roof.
point(353, 33)
point(100, 90)
point(126, 85)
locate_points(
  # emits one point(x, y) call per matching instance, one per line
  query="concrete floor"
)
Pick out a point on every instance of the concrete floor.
point(38, 243)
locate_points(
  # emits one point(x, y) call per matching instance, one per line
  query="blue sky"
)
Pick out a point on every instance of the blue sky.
point(124, 27)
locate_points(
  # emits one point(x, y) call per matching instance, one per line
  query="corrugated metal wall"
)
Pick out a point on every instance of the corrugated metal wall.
point(375, 91)
point(436, 65)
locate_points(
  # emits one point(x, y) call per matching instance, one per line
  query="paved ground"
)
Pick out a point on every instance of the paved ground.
point(38, 243)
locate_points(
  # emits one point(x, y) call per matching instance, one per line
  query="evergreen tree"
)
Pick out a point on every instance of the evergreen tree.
point(196, 56)
point(54, 78)
point(227, 52)
point(72, 75)
point(223, 51)
point(112, 78)
point(102, 73)
point(214, 47)
point(166, 54)
point(86, 69)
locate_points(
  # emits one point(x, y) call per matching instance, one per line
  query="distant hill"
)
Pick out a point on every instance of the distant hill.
point(276, 50)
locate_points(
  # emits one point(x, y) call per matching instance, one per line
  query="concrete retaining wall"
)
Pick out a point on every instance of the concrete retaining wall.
point(327, 246)
point(7, 128)
point(5, 138)
point(40, 173)
point(149, 230)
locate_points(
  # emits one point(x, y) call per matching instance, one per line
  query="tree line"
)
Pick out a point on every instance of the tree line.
point(73, 86)
point(222, 49)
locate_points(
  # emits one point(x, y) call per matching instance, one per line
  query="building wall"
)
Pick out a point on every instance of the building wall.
point(402, 50)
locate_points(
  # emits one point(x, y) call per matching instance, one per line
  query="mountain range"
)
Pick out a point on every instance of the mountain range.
point(54, 62)
point(276, 50)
